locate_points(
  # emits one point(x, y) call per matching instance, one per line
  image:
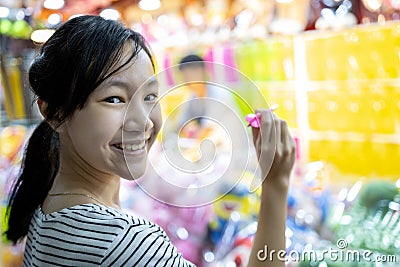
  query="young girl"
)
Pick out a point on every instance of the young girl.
point(66, 201)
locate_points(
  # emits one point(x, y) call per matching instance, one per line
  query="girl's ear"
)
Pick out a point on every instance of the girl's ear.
point(42, 107)
point(43, 110)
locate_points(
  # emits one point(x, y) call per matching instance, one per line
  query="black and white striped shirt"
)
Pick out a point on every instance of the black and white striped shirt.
point(95, 235)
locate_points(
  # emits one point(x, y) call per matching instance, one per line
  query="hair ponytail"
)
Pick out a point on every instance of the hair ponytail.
point(40, 166)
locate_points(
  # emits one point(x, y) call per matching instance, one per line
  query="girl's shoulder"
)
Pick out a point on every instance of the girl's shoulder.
point(109, 237)
point(95, 214)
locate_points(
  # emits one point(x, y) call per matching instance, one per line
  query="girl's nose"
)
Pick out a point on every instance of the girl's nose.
point(149, 125)
point(136, 119)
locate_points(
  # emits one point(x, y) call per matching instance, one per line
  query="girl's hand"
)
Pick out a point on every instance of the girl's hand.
point(275, 149)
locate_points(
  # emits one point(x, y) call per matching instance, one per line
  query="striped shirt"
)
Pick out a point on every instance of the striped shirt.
point(95, 235)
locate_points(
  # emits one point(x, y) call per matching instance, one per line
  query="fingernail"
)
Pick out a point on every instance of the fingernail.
point(273, 107)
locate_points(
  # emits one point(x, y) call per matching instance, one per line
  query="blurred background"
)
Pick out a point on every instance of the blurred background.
point(333, 68)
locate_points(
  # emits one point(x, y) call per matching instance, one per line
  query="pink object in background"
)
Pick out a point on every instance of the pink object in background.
point(168, 73)
point(208, 59)
point(253, 120)
point(229, 60)
point(297, 142)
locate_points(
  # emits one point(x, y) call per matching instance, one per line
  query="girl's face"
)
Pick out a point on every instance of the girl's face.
point(119, 122)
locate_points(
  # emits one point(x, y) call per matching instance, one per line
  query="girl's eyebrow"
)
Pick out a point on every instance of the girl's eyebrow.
point(152, 82)
point(122, 84)
point(113, 83)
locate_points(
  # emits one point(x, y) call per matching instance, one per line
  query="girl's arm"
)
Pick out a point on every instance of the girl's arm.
point(273, 143)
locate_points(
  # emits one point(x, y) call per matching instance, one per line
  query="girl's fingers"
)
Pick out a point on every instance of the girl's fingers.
point(266, 130)
point(272, 131)
point(288, 143)
point(256, 132)
point(277, 127)
point(256, 139)
point(285, 135)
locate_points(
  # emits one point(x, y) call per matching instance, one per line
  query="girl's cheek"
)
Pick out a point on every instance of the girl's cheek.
point(156, 117)
point(109, 116)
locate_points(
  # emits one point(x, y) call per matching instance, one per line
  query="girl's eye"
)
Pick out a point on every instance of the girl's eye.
point(150, 97)
point(113, 100)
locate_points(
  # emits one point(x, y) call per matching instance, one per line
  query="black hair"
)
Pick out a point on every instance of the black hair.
point(75, 60)
point(191, 60)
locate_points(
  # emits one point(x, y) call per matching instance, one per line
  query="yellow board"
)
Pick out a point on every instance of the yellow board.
point(339, 90)
point(355, 98)
point(368, 159)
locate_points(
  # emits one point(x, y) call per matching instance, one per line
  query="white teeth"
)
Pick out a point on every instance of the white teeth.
point(131, 147)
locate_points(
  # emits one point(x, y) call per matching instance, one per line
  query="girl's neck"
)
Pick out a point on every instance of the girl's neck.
point(69, 190)
point(103, 188)
point(79, 178)
point(76, 174)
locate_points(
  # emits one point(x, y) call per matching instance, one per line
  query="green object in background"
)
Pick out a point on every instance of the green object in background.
point(372, 223)
point(371, 193)
point(3, 223)
point(5, 26)
point(244, 107)
point(20, 30)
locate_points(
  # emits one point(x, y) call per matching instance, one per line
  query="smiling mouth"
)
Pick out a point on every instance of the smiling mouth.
point(131, 147)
